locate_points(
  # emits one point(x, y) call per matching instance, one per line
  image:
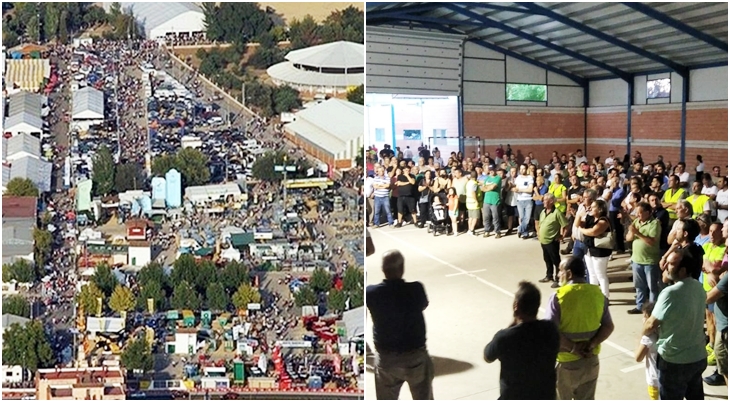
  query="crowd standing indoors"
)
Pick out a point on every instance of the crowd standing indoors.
point(669, 226)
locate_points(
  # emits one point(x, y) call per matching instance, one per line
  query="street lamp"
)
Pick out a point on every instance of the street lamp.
point(284, 169)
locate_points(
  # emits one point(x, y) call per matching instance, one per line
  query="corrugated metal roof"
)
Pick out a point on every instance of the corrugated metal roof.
point(153, 14)
point(339, 54)
point(38, 171)
point(19, 207)
point(329, 125)
point(13, 123)
point(17, 238)
point(588, 40)
point(25, 102)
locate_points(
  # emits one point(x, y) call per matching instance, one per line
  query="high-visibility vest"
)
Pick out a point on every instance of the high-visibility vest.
point(698, 204)
point(672, 199)
point(558, 190)
point(581, 311)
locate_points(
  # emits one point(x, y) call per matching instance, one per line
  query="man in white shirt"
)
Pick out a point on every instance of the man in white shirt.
point(611, 159)
point(684, 181)
point(709, 189)
point(368, 193)
point(721, 200)
point(523, 193)
point(437, 157)
point(408, 154)
point(579, 157)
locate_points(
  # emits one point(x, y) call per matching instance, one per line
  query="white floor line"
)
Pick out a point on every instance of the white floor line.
point(491, 285)
point(465, 273)
point(633, 368)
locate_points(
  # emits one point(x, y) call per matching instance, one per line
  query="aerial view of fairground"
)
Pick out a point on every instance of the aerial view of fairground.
point(182, 201)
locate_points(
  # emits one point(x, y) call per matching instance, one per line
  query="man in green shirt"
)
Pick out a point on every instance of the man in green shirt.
point(645, 233)
point(678, 318)
point(491, 218)
point(553, 227)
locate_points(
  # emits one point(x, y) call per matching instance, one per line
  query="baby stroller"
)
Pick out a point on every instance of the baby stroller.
point(439, 219)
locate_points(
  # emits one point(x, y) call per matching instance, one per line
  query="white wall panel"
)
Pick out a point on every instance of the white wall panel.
point(557, 79)
point(483, 70)
point(480, 93)
point(708, 84)
point(473, 50)
point(608, 92)
point(640, 90)
point(522, 73)
point(676, 93)
point(427, 63)
point(565, 96)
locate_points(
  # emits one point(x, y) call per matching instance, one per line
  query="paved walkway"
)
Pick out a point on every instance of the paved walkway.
point(470, 283)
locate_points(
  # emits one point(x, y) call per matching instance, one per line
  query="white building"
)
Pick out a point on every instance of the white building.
point(157, 20)
point(329, 68)
point(87, 108)
point(201, 195)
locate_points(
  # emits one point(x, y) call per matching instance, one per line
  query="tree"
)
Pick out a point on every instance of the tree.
point(138, 355)
point(51, 19)
point(27, 346)
point(88, 298)
point(234, 274)
point(20, 270)
point(260, 95)
point(286, 98)
point(356, 299)
point(357, 95)
point(526, 92)
point(184, 269)
point(216, 296)
point(244, 295)
point(128, 176)
point(236, 22)
point(122, 299)
point(21, 187)
point(63, 27)
point(33, 31)
point(320, 281)
point(104, 279)
point(163, 163)
point(103, 176)
point(263, 167)
point(205, 275)
point(16, 305)
point(304, 33)
point(347, 24)
point(184, 297)
point(152, 272)
point(336, 300)
point(305, 296)
point(352, 280)
point(42, 243)
point(94, 15)
point(151, 290)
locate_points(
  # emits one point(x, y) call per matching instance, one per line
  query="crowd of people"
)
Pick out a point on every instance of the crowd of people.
point(672, 225)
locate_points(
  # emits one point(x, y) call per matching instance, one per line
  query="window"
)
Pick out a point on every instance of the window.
point(527, 92)
point(379, 134)
point(658, 88)
point(439, 133)
point(411, 134)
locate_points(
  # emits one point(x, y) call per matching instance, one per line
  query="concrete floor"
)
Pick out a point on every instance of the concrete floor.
point(470, 283)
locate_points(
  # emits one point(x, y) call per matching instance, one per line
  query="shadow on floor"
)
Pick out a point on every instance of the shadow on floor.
point(441, 365)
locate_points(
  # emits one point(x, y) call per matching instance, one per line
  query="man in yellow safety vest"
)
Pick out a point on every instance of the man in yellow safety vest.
point(672, 196)
point(580, 311)
point(700, 202)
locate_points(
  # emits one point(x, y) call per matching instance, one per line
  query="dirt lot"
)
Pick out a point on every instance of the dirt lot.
point(319, 11)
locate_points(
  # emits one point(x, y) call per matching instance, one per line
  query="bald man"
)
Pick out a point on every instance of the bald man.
point(399, 333)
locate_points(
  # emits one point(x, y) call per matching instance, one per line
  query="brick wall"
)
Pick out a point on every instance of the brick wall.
point(662, 127)
point(520, 129)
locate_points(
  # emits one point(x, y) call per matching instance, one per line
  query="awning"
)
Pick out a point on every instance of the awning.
point(241, 239)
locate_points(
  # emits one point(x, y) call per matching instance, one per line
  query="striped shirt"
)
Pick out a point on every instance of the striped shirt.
point(381, 192)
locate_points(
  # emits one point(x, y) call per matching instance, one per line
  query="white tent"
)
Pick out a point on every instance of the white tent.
point(159, 19)
point(23, 122)
point(354, 322)
point(88, 104)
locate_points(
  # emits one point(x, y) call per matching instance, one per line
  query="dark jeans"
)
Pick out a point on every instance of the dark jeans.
point(551, 256)
point(579, 251)
point(679, 381)
point(424, 212)
point(618, 229)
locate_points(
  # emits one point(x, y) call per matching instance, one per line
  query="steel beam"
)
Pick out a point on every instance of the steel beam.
point(416, 8)
point(683, 124)
point(443, 21)
point(678, 68)
point(628, 117)
point(532, 38)
point(676, 24)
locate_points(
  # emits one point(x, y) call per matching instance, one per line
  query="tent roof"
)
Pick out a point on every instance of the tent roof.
point(104, 324)
point(10, 319)
point(340, 54)
point(38, 171)
point(16, 121)
point(330, 124)
point(88, 103)
point(152, 15)
point(354, 322)
point(579, 40)
point(285, 72)
point(21, 143)
point(25, 102)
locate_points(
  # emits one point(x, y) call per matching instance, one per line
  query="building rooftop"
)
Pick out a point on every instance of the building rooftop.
point(22, 142)
point(10, 319)
point(329, 125)
point(19, 207)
